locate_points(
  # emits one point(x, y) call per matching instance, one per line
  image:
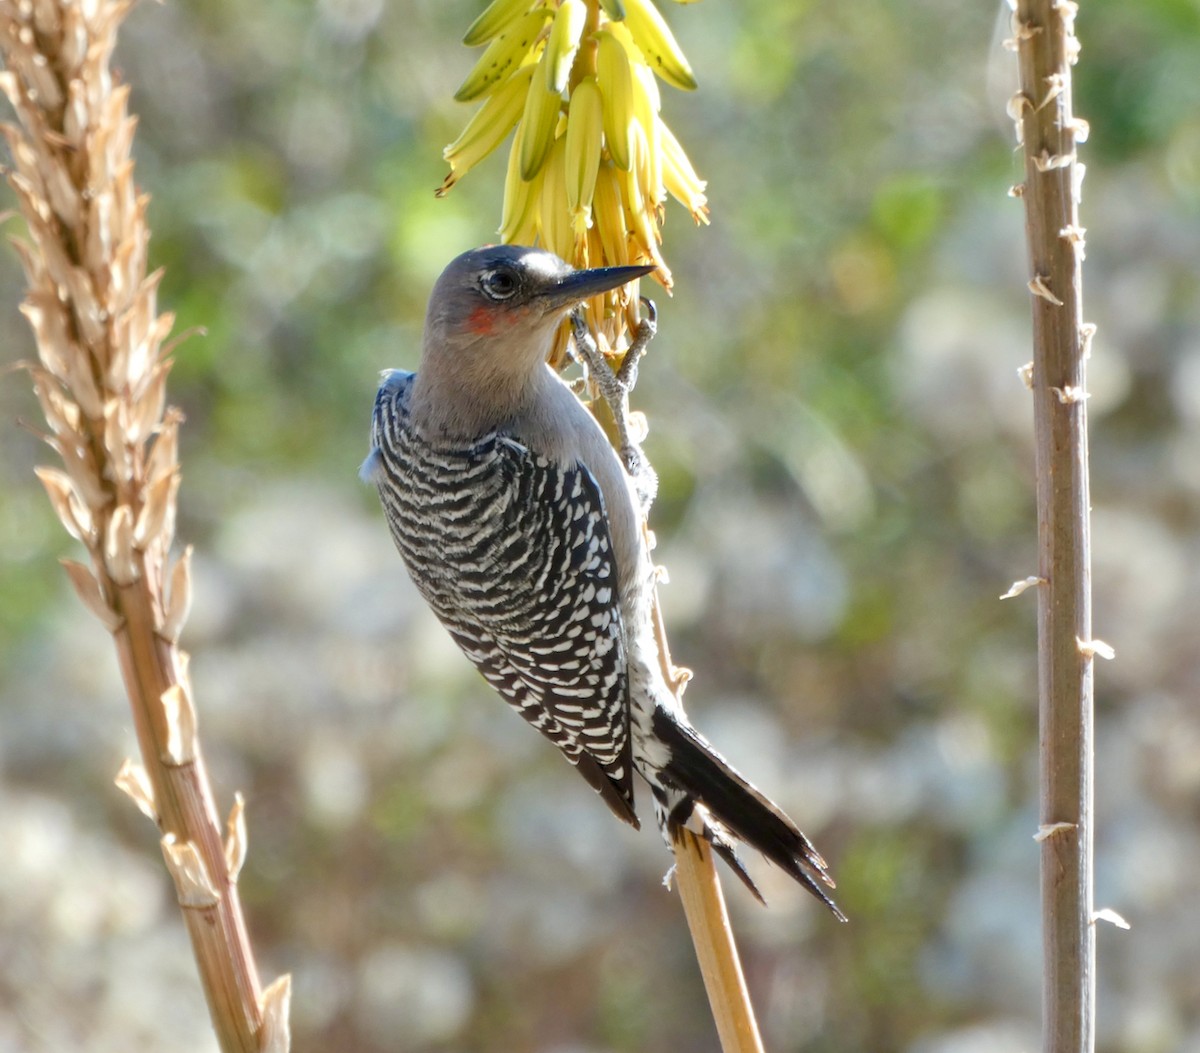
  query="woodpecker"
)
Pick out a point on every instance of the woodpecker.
point(521, 528)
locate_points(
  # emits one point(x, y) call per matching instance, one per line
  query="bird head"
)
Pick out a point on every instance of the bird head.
point(511, 299)
point(489, 328)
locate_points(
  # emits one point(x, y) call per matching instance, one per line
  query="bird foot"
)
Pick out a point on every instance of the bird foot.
point(614, 388)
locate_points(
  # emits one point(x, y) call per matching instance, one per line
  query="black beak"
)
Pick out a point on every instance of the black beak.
point(579, 285)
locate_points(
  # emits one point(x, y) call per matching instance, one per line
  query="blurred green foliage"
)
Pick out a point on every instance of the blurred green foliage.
point(846, 473)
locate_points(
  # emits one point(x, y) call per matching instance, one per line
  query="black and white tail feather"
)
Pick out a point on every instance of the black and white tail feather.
point(512, 552)
point(718, 803)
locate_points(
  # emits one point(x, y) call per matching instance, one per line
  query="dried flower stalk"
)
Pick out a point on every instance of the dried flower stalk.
point(716, 951)
point(1047, 128)
point(704, 907)
point(101, 381)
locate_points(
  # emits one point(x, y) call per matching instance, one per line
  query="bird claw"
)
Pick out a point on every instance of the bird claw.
point(585, 344)
point(614, 388)
point(645, 332)
point(614, 385)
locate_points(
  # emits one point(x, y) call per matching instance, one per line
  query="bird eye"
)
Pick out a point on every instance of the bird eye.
point(498, 285)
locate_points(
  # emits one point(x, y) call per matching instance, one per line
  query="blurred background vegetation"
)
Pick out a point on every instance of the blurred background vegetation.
point(847, 489)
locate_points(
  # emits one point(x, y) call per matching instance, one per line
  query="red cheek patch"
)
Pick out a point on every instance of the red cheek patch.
point(482, 320)
point(486, 319)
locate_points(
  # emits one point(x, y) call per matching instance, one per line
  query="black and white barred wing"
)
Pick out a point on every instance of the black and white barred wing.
point(512, 551)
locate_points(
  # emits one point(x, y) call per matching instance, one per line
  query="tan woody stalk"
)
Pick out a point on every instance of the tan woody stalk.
point(1046, 46)
point(590, 168)
point(101, 381)
point(704, 906)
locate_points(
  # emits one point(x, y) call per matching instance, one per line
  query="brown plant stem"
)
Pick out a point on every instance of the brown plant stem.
point(1047, 49)
point(716, 951)
point(704, 906)
point(187, 815)
point(101, 382)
